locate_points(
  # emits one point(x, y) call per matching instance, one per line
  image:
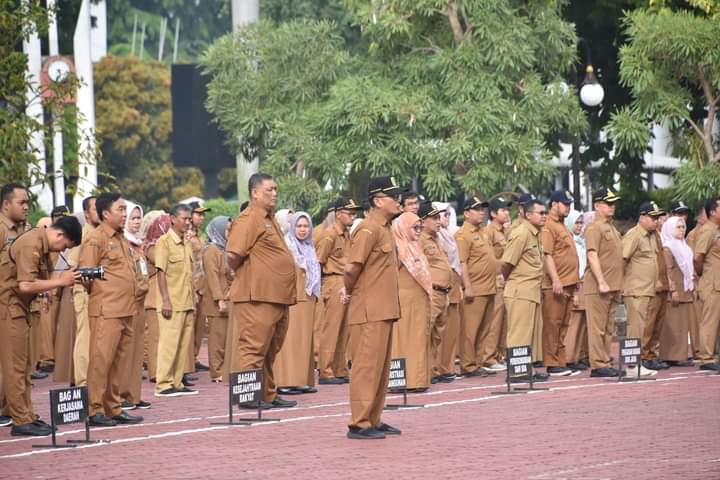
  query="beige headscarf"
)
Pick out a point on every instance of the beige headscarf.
point(283, 218)
point(410, 252)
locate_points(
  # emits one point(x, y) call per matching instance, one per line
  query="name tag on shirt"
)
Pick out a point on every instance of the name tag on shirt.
point(143, 267)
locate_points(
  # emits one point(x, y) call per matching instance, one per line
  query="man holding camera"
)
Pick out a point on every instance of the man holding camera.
point(111, 308)
point(24, 273)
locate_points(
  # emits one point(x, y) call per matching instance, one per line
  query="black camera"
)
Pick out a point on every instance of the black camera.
point(92, 273)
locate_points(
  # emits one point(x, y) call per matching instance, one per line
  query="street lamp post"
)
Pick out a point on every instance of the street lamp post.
point(591, 95)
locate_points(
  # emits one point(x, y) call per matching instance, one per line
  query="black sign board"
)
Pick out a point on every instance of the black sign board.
point(519, 360)
point(398, 378)
point(246, 386)
point(69, 405)
point(630, 349)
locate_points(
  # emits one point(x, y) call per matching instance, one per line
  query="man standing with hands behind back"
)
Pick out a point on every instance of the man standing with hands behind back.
point(111, 308)
point(371, 289)
point(263, 288)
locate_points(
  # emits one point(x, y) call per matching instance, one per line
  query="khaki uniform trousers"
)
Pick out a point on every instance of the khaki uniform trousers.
point(449, 342)
point(16, 367)
point(230, 347)
point(600, 312)
point(556, 311)
point(81, 352)
point(501, 319)
point(259, 330)
point(438, 323)
point(173, 346)
point(111, 342)
point(152, 338)
point(576, 339)
point(537, 339)
point(334, 330)
point(521, 319)
point(370, 347)
point(709, 325)
point(131, 384)
point(200, 328)
point(65, 338)
point(42, 333)
point(638, 313)
point(216, 345)
point(654, 326)
point(478, 334)
point(695, 326)
point(318, 315)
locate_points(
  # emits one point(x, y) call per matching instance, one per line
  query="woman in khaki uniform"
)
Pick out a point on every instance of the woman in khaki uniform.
point(576, 343)
point(411, 334)
point(680, 310)
point(217, 278)
point(131, 383)
point(294, 364)
point(157, 229)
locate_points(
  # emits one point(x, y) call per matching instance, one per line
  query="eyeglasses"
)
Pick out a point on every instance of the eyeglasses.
point(542, 214)
point(395, 197)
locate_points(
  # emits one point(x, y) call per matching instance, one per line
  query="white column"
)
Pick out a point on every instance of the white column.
point(98, 33)
point(87, 167)
point(58, 178)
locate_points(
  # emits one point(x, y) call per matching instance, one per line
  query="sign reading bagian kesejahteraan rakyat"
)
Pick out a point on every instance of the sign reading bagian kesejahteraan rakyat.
point(519, 360)
point(246, 386)
point(397, 373)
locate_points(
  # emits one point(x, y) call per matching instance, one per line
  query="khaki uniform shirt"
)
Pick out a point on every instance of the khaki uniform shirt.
point(9, 231)
point(640, 255)
point(267, 271)
point(440, 270)
point(115, 296)
point(677, 278)
point(375, 296)
point(173, 255)
point(151, 297)
point(332, 251)
point(524, 252)
point(602, 237)
point(478, 257)
point(692, 236)
point(558, 242)
point(28, 260)
point(498, 240)
point(708, 243)
point(663, 283)
point(217, 279)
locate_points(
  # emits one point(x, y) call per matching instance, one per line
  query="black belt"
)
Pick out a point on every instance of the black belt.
point(331, 274)
point(444, 290)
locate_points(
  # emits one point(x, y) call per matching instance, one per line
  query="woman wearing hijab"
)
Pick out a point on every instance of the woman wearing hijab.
point(284, 217)
point(157, 228)
point(131, 381)
point(576, 338)
point(451, 334)
point(217, 277)
point(680, 309)
point(294, 364)
point(411, 333)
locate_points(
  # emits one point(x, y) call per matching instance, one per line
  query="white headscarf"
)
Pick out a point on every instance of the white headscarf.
point(283, 218)
point(681, 251)
point(447, 237)
point(133, 238)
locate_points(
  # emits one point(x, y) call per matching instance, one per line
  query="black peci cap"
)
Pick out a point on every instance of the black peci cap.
point(679, 207)
point(427, 210)
point(386, 185)
point(526, 198)
point(499, 202)
point(605, 195)
point(60, 211)
point(561, 196)
point(344, 203)
point(474, 203)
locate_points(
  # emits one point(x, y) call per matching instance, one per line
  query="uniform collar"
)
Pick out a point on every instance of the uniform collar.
point(645, 233)
point(259, 210)
point(531, 228)
point(379, 218)
point(553, 216)
point(496, 227)
point(427, 236)
point(14, 226)
point(42, 232)
point(108, 230)
point(471, 228)
point(174, 236)
point(339, 229)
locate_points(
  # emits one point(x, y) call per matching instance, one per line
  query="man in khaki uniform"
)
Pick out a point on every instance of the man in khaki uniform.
point(442, 276)
point(174, 305)
point(263, 289)
point(111, 308)
point(198, 279)
point(701, 220)
point(25, 272)
point(496, 233)
point(81, 349)
point(640, 252)
point(560, 283)
point(522, 270)
point(333, 248)
point(603, 281)
point(658, 304)
point(707, 267)
point(371, 289)
point(478, 333)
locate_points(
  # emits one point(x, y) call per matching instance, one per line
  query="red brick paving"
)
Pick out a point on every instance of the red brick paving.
point(582, 428)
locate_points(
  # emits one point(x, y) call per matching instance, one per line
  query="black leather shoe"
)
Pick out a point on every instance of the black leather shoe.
point(100, 420)
point(38, 375)
point(5, 421)
point(650, 364)
point(331, 381)
point(603, 372)
point(125, 405)
point(344, 379)
point(31, 430)
point(712, 367)
point(143, 404)
point(540, 377)
point(188, 377)
point(308, 389)
point(200, 367)
point(364, 434)
point(47, 367)
point(662, 365)
point(388, 430)
point(476, 373)
point(126, 419)
point(254, 405)
point(280, 402)
point(681, 363)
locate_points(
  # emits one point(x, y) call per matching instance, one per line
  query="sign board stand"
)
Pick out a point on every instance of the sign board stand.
point(245, 387)
point(630, 354)
point(69, 405)
point(519, 362)
point(398, 380)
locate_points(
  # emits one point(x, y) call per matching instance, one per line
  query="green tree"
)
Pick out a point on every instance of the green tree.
point(461, 95)
point(134, 123)
point(672, 66)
